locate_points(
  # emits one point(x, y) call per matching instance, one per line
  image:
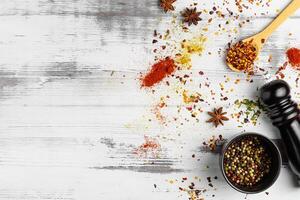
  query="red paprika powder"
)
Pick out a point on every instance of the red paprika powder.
point(158, 72)
point(293, 55)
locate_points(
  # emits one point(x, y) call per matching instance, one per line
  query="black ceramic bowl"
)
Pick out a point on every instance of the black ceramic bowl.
point(267, 180)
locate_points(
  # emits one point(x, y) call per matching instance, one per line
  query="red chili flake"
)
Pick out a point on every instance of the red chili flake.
point(158, 72)
point(293, 55)
point(279, 74)
point(189, 108)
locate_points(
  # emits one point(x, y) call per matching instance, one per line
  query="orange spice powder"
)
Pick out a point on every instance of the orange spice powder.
point(158, 72)
point(293, 55)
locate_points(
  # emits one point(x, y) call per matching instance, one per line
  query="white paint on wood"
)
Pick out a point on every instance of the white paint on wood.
point(72, 111)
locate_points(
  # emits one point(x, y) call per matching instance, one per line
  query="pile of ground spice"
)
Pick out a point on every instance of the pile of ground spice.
point(158, 72)
point(241, 56)
point(150, 148)
point(293, 55)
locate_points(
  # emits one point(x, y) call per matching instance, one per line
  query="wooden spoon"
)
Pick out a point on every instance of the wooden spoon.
point(259, 39)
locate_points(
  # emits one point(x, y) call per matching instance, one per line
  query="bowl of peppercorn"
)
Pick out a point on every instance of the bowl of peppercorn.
point(250, 162)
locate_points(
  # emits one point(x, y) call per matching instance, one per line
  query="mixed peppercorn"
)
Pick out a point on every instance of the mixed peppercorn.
point(246, 161)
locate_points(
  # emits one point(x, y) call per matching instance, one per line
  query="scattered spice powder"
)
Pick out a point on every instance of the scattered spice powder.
point(195, 45)
point(192, 98)
point(241, 56)
point(150, 147)
point(157, 112)
point(184, 60)
point(293, 55)
point(158, 72)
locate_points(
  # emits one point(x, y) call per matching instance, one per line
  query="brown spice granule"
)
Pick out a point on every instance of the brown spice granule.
point(241, 56)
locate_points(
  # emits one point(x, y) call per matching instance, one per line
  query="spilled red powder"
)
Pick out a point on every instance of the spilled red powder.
point(150, 147)
point(293, 55)
point(157, 112)
point(158, 72)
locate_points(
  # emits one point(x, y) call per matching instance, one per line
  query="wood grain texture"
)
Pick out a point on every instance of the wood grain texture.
point(72, 110)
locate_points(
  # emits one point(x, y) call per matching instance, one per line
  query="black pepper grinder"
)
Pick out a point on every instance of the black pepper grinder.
point(284, 114)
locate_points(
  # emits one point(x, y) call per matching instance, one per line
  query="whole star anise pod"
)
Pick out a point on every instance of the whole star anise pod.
point(167, 5)
point(191, 16)
point(217, 117)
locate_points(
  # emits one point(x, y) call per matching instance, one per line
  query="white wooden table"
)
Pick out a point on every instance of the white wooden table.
point(72, 111)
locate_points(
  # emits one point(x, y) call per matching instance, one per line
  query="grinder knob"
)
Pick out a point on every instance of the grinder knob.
point(274, 92)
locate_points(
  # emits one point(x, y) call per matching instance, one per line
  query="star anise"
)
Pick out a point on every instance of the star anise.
point(191, 16)
point(167, 5)
point(217, 117)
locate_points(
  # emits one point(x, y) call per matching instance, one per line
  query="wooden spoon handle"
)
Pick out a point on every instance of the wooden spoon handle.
point(289, 10)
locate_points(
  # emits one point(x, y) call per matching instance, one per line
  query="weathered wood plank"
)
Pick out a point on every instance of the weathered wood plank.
point(28, 45)
point(72, 111)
